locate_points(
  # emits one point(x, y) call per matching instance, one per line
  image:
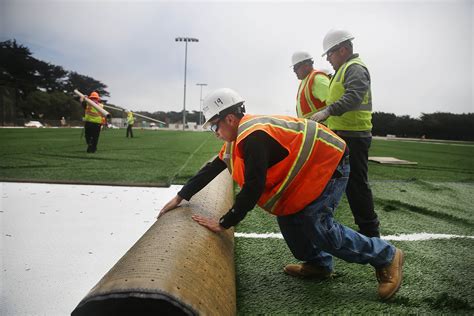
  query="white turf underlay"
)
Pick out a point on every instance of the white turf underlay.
point(57, 241)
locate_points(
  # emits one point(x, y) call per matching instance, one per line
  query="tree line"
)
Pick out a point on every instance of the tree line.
point(437, 125)
point(31, 89)
point(34, 89)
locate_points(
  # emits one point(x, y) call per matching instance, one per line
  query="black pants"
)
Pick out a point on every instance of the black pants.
point(359, 194)
point(92, 132)
point(129, 130)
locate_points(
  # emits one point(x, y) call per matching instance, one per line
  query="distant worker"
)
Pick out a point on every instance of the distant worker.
point(314, 86)
point(349, 114)
point(130, 121)
point(93, 122)
point(296, 169)
point(63, 121)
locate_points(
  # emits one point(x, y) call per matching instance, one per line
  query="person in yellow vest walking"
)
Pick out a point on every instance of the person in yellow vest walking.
point(314, 86)
point(130, 121)
point(93, 122)
point(296, 169)
point(349, 114)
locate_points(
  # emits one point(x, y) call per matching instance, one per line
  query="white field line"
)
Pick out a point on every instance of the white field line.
point(188, 160)
point(401, 237)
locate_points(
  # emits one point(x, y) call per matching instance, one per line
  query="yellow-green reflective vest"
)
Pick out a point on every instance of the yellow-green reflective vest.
point(92, 115)
point(359, 119)
point(130, 119)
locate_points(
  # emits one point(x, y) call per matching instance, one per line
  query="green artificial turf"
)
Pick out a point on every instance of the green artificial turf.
point(171, 157)
point(403, 208)
point(437, 280)
point(439, 276)
point(438, 273)
point(436, 161)
point(156, 158)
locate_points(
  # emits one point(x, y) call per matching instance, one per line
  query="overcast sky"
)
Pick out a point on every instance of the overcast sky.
point(419, 53)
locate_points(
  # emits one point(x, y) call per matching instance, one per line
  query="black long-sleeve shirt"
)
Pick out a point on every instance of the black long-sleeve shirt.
point(261, 152)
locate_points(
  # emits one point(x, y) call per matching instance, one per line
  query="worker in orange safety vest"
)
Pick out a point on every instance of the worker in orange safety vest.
point(296, 169)
point(314, 86)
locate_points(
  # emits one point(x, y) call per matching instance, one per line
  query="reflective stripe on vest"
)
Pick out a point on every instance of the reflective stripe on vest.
point(359, 119)
point(306, 103)
point(227, 157)
point(314, 152)
point(92, 115)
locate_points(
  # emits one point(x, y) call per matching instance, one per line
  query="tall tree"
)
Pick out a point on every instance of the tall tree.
point(28, 77)
point(50, 77)
point(17, 68)
point(85, 84)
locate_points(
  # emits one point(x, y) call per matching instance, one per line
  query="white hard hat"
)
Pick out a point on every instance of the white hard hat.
point(299, 57)
point(217, 101)
point(335, 37)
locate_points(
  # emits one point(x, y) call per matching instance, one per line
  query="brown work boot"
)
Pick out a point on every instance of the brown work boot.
point(390, 277)
point(307, 270)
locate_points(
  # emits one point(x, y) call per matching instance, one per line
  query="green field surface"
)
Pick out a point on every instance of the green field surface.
point(161, 158)
point(436, 161)
point(157, 158)
point(436, 196)
point(438, 274)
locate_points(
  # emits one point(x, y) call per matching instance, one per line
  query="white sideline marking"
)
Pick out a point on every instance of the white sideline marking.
point(188, 160)
point(401, 237)
point(255, 235)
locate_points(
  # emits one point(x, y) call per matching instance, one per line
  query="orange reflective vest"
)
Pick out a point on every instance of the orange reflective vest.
point(92, 115)
point(314, 152)
point(308, 104)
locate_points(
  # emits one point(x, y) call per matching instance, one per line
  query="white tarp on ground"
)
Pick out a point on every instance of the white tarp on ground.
point(57, 241)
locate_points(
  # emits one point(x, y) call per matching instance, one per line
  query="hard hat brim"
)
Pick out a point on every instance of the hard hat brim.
point(206, 125)
point(327, 51)
point(301, 62)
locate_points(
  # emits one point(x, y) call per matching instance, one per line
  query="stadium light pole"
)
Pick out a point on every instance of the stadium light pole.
point(200, 102)
point(185, 40)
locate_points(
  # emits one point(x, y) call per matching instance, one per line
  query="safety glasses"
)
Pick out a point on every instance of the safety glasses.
point(332, 51)
point(215, 126)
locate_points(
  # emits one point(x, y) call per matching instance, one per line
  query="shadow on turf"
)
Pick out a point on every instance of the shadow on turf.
point(445, 301)
point(394, 205)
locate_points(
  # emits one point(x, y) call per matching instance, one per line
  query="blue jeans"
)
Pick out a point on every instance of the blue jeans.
point(314, 236)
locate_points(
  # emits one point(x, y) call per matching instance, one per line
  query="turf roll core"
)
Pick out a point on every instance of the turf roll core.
point(177, 267)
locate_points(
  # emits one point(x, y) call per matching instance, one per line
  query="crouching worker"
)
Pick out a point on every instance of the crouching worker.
point(296, 169)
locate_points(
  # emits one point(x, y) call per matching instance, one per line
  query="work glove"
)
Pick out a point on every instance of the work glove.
point(320, 116)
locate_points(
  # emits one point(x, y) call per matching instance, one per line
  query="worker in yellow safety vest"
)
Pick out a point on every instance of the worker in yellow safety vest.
point(295, 169)
point(314, 86)
point(130, 121)
point(93, 122)
point(349, 115)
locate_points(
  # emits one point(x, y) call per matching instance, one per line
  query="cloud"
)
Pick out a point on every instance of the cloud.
point(419, 53)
